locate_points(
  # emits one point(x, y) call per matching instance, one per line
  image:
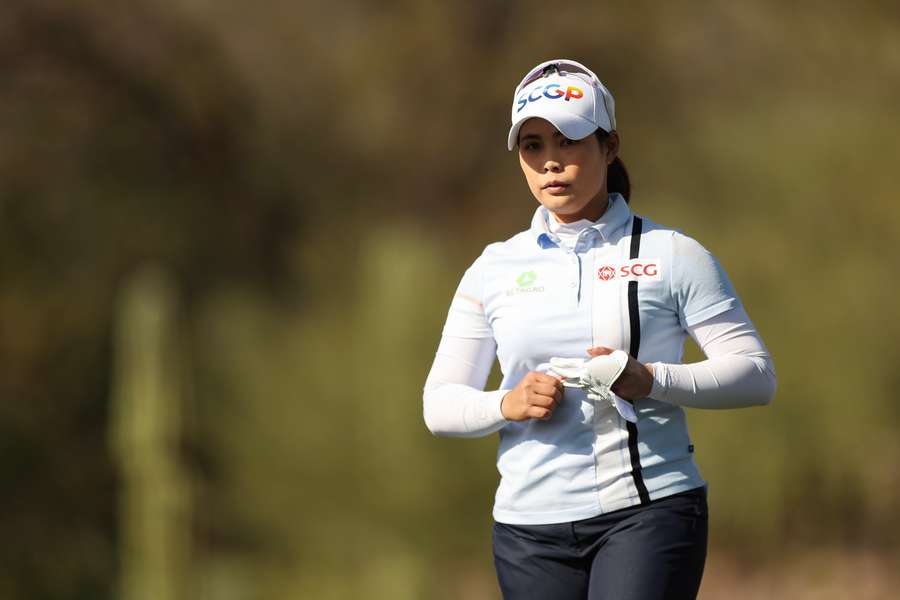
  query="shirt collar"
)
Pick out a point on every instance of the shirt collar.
point(616, 216)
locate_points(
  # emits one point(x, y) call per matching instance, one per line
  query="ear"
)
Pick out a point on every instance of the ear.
point(612, 147)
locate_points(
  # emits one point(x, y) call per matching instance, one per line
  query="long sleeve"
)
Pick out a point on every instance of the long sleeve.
point(738, 371)
point(454, 401)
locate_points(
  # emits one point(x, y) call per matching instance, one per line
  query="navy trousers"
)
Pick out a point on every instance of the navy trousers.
point(651, 552)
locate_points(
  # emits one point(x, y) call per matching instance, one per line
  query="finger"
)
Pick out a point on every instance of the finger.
point(542, 402)
point(538, 412)
point(599, 351)
point(543, 378)
point(545, 390)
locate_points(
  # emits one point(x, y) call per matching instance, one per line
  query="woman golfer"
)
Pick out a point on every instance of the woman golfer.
point(587, 311)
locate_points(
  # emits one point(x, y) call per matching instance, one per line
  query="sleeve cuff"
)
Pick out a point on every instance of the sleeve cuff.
point(489, 411)
point(658, 390)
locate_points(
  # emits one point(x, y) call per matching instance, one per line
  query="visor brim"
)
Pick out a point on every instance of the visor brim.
point(570, 125)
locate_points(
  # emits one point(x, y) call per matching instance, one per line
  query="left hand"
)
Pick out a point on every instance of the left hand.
point(636, 380)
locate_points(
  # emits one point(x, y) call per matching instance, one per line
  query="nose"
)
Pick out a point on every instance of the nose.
point(551, 165)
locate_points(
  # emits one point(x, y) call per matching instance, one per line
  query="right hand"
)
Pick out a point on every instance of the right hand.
point(534, 397)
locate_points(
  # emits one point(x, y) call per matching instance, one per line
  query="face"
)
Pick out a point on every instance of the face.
point(567, 176)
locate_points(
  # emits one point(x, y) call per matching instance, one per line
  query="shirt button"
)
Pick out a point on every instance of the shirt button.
point(573, 284)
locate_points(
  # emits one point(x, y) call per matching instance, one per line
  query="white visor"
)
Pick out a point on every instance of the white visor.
point(576, 103)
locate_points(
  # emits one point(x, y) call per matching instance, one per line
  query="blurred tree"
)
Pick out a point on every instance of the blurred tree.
point(126, 135)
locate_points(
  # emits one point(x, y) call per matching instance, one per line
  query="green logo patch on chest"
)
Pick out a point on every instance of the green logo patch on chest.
point(526, 279)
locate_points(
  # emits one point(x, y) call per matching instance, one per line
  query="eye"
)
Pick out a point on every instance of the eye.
point(568, 142)
point(530, 146)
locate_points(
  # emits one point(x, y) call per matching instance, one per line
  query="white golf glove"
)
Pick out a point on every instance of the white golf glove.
point(596, 376)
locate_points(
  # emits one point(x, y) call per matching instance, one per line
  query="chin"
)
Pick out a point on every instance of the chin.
point(562, 205)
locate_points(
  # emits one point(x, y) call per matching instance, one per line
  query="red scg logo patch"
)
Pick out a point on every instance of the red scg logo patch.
point(606, 273)
point(638, 269)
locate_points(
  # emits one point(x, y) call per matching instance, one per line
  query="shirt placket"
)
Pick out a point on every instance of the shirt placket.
point(579, 259)
point(572, 277)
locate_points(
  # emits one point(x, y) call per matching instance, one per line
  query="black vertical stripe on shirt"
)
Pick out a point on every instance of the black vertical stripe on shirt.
point(634, 318)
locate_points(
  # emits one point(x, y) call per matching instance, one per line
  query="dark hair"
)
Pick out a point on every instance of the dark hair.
point(617, 179)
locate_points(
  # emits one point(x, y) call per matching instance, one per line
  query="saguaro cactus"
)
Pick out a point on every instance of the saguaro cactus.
point(144, 434)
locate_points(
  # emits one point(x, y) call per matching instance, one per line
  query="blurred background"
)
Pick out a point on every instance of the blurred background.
point(229, 236)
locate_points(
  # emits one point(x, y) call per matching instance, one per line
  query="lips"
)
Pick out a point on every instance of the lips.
point(555, 186)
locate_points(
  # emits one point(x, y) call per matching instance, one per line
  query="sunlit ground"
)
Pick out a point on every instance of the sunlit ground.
point(824, 576)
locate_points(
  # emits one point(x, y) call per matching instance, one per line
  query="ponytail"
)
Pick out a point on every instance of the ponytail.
point(617, 180)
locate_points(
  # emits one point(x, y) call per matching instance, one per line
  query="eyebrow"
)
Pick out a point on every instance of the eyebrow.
point(535, 136)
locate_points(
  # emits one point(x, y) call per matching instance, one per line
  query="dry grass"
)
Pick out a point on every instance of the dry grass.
point(825, 575)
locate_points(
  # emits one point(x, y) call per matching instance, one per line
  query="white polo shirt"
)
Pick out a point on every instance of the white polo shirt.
point(538, 299)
